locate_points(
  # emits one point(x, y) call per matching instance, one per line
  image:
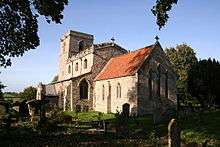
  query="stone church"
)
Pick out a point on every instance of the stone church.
point(107, 78)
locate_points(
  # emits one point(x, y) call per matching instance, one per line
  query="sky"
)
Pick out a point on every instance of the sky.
point(130, 22)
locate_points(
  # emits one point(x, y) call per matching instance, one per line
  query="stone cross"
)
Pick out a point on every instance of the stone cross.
point(173, 134)
point(113, 40)
point(157, 38)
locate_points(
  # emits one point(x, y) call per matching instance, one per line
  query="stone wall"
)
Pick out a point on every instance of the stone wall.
point(109, 87)
point(162, 99)
point(101, 56)
point(69, 46)
point(69, 77)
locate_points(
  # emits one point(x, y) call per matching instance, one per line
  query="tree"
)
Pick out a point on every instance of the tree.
point(18, 25)
point(28, 93)
point(204, 82)
point(160, 10)
point(183, 59)
point(1, 87)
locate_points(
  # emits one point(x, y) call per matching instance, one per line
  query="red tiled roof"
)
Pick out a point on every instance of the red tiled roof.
point(124, 65)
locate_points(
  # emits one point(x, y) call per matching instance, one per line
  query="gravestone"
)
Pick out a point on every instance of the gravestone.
point(2, 110)
point(173, 134)
point(126, 110)
point(78, 108)
point(86, 109)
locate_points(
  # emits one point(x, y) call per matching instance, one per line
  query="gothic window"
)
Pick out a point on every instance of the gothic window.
point(158, 80)
point(85, 63)
point(166, 85)
point(109, 89)
point(118, 90)
point(83, 88)
point(103, 92)
point(69, 69)
point(150, 84)
point(77, 67)
point(81, 45)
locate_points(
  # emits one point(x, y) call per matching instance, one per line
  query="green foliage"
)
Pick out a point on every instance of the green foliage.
point(89, 116)
point(10, 94)
point(18, 25)
point(143, 132)
point(199, 130)
point(197, 80)
point(183, 59)
point(204, 82)
point(160, 10)
point(153, 138)
point(28, 93)
point(1, 87)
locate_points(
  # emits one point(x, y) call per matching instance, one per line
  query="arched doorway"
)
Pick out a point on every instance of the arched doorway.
point(126, 109)
point(83, 89)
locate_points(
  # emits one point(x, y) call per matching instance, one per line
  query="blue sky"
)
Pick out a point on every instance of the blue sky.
point(130, 22)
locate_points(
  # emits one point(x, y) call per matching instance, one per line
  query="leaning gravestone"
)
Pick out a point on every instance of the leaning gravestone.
point(2, 110)
point(173, 134)
point(4, 107)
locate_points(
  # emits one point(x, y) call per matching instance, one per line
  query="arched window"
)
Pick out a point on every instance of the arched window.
point(85, 63)
point(103, 92)
point(166, 85)
point(76, 66)
point(150, 84)
point(158, 80)
point(118, 90)
point(83, 88)
point(81, 45)
point(69, 69)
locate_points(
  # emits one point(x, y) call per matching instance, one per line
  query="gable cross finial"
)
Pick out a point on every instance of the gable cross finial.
point(157, 38)
point(113, 40)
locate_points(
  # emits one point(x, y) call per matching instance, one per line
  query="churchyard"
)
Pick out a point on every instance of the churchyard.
point(99, 129)
point(111, 87)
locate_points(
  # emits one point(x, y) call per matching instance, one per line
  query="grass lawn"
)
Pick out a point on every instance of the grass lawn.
point(194, 129)
point(199, 130)
point(89, 116)
point(8, 95)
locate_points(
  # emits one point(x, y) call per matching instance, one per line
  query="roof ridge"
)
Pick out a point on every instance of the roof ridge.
point(118, 66)
point(150, 46)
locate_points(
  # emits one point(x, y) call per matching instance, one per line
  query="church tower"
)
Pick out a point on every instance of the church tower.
point(71, 44)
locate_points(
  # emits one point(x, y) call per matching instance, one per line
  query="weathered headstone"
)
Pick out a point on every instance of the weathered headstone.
point(173, 134)
point(78, 108)
point(125, 110)
point(2, 109)
point(86, 109)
